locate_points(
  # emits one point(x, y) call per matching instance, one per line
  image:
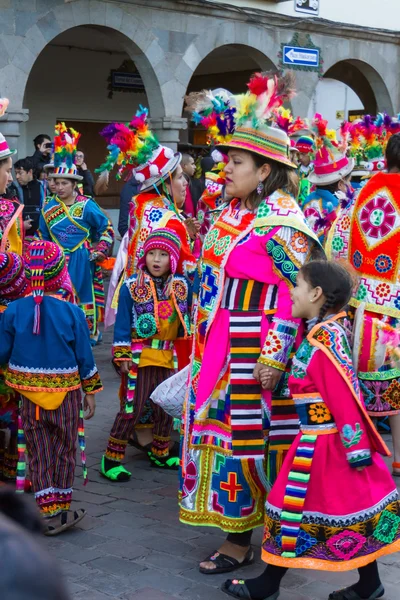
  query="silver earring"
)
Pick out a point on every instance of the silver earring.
point(260, 188)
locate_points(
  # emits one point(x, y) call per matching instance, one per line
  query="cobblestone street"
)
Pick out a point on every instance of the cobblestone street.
point(131, 544)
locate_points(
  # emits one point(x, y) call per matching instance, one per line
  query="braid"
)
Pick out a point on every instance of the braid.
point(329, 303)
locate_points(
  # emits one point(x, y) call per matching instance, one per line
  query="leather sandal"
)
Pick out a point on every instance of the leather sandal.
point(68, 519)
point(237, 588)
point(226, 564)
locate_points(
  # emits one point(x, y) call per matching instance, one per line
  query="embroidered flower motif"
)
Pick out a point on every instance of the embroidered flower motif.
point(210, 239)
point(324, 338)
point(397, 302)
point(392, 394)
point(144, 234)
point(346, 544)
point(299, 242)
point(77, 211)
point(164, 310)
point(382, 290)
point(361, 292)
point(351, 437)
point(263, 210)
point(146, 326)
point(71, 229)
point(222, 244)
point(140, 293)
point(6, 208)
point(378, 217)
point(272, 345)
point(155, 215)
point(319, 413)
point(383, 263)
point(357, 259)
point(179, 290)
point(304, 542)
point(337, 243)
point(285, 202)
point(387, 528)
point(345, 223)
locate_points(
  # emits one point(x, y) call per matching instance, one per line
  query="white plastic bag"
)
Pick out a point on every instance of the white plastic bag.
point(170, 394)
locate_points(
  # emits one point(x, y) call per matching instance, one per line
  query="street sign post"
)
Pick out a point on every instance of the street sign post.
point(309, 7)
point(304, 57)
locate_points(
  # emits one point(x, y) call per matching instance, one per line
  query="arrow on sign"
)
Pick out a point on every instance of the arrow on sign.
point(303, 56)
point(293, 55)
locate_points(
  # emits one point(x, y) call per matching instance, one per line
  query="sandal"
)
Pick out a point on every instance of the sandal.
point(164, 462)
point(396, 465)
point(68, 519)
point(226, 564)
point(118, 473)
point(237, 588)
point(349, 594)
point(133, 441)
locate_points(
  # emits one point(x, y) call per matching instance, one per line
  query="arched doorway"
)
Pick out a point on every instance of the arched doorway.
point(86, 77)
point(230, 67)
point(350, 88)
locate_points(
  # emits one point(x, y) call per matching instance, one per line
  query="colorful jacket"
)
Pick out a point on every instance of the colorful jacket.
point(320, 209)
point(138, 313)
point(58, 359)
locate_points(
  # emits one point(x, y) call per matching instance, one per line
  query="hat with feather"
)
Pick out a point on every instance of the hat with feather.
point(5, 151)
point(369, 137)
point(65, 143)
point(134, 151)
point(331, 162)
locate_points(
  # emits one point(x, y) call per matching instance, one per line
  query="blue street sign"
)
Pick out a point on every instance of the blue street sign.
point(303, 57)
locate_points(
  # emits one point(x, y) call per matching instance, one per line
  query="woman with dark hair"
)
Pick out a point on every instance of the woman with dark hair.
point(250, 259)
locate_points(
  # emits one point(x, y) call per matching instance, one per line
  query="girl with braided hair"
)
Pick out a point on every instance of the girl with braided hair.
point(334, 505)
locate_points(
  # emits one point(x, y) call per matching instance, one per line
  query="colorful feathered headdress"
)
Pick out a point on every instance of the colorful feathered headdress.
point(215, 111)
point(331, 162)
point(5, 151)
point(134, 150)
point(65, 144)
point(369, 137)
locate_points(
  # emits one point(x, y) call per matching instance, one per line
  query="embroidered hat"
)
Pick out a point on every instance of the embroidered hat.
point(215, 110)
point(46, 270)
point(5, 151)
point(368, 140)
point(135, 150)
point(65, 143)
point(13, 281)
point(331, 163)
point(305, 145)
point(256, 128)
point(163, 239)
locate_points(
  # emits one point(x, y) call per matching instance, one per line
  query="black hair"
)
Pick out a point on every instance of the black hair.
point(24, 163)
point(39, 139)
point(336, 281)
point(206, 164)
point(331, 187)
point(393, 152)
point(281, 177)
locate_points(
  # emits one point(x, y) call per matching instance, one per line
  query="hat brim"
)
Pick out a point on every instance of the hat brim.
point(236, 144)
point(331, 177)
point(48, 167)
point(67, 176)
point(166, 171)
point(8, 154)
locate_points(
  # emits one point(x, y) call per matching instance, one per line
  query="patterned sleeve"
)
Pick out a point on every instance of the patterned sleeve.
point(347, 415)
point(123, 326)
point(43, 231)
point(90, 378)
point(289, 250)
point(101, 227)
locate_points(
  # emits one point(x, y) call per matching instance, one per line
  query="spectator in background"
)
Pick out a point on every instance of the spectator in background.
point(42, 154)
point(189, 168)
point(88, 181)
point(129, 191)
point(31, 194)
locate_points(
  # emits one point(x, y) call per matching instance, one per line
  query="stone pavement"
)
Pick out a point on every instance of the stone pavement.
point(131, 546)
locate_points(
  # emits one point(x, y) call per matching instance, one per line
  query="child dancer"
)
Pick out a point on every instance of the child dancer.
point(13, 285)
point(334, 505)
point(45, 344)
point(152, 311)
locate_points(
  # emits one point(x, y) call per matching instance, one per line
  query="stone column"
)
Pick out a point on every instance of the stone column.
point(10, 125)
point(306, 83)
point(167, 130)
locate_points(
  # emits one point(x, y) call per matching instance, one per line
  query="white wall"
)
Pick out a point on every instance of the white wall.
point(72, 84)
point(384, 14)
point(331, 96)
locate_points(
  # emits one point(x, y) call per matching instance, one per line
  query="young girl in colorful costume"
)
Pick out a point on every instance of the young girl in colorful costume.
point(334, 505)
point(78, 225)
point(152, 312)
point(46, 347)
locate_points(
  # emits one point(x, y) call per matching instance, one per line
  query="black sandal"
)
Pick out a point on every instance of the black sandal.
point(68, 519)
point(237, 588)
point(226, 564)
point(349, 594)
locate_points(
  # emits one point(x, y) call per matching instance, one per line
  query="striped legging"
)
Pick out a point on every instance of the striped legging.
point(51, 444)
point(147, 380)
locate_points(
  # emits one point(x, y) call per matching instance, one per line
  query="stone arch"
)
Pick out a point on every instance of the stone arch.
point(133, 35)
point(365, 80)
